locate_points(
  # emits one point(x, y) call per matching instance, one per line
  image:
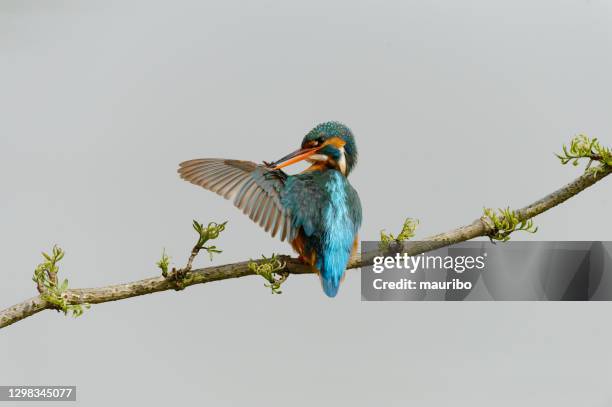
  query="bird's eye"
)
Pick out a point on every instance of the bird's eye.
point(314, 143)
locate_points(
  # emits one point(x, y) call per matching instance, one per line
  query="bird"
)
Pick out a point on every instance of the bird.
point(317, 210)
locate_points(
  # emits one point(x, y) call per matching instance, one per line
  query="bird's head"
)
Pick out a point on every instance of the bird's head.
point(329, 144)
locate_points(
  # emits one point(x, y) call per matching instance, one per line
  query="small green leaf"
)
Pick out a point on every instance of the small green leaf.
point(271, 269)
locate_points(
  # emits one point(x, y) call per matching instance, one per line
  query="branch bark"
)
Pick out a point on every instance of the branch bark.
point(479, 227)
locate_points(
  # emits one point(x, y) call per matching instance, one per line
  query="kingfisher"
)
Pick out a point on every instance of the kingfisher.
point(316, 210)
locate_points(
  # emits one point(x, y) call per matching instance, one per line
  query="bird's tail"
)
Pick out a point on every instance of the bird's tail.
point(330, 285)
point(330, 268)
point(331, 273)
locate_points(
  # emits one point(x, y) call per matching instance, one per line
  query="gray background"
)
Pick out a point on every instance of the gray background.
point(455, 105)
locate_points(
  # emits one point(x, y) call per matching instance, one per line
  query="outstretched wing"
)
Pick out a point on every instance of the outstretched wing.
point(254, 188)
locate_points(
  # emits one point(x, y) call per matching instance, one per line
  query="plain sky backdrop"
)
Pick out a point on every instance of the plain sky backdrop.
point(455, 105)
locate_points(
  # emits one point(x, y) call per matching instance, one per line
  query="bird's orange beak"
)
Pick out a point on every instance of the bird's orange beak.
point(296, 156)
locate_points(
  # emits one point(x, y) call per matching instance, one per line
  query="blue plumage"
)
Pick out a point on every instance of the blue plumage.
point(318, 211)
point(328, 211)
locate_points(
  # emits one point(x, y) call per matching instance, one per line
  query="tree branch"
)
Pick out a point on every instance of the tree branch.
point(480, 227)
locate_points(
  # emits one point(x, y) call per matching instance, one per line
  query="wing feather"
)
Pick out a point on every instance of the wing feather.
point(225, 181)
point(283, 232)
point(228, 190)
point(247, 184)
point(277, 222)
point(245, 193)
point(272, 219)
point(201, 170)
point(203, 178)
point(266, 212)
point(219, 177)
point(256, 199)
